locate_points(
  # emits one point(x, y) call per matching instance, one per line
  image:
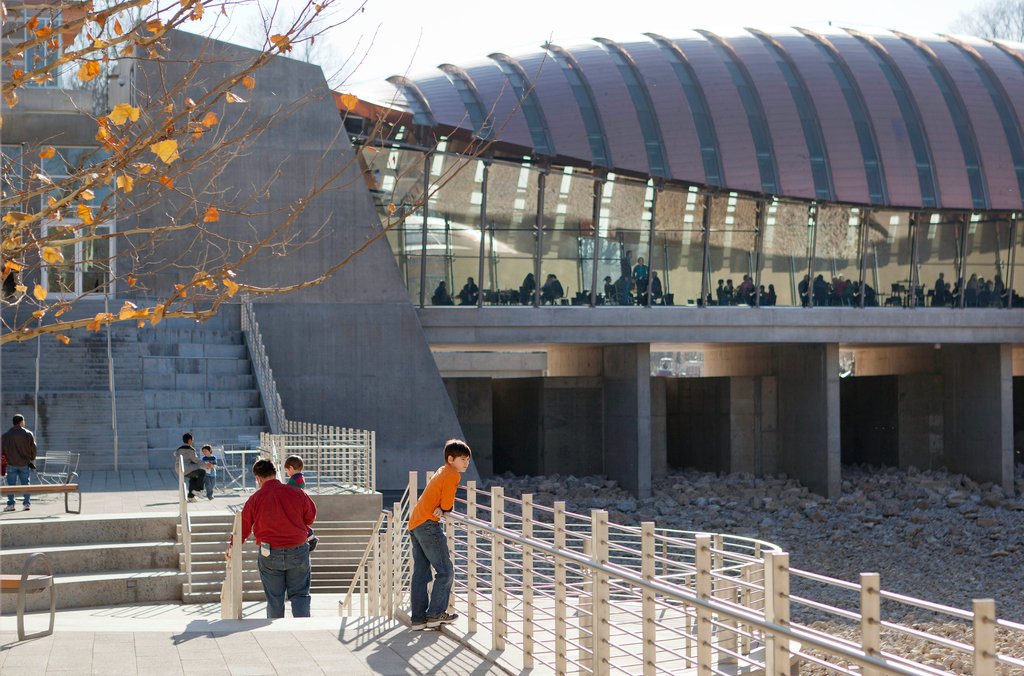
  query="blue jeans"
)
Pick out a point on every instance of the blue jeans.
point(210, 482)
point(18, 476)
point(430, 550)
point(286, 571)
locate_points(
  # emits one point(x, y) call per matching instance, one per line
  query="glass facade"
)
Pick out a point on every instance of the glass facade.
point(650, 239)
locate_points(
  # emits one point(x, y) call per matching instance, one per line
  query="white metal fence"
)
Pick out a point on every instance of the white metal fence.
point(334, 458)
point(568, 593)
point(261, 367)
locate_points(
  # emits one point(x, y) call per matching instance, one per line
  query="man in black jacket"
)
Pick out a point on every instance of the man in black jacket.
point(19, 445)
point(194, 471)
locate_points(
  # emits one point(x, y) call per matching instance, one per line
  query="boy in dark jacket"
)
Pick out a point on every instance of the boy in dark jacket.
point(293, 468)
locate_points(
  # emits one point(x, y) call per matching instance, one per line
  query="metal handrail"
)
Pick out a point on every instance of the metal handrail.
point(261, 367)
point(186, 521)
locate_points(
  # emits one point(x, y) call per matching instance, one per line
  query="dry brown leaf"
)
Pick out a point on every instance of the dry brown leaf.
point(154, 25)
point(209, 119)
point(39, 292)
point(158, 314)
point(166, 150)
point(123, 112)
point(88, 71)
point(167, 182)
point(84, 214)
point(211, 215)
point(231, 286)
point(282, 42)
point(127, 310)
point(47, 152)
point(52, 255)
point(62, 338)
point(249, 81)
point(126, 183)
point(233, 98)
point(117, 27)
point(131, 280)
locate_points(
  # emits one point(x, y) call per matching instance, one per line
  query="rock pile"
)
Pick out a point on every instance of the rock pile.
point(933, 535)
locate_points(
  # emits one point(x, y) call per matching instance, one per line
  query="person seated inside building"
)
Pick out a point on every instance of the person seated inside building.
point(769, 298)
point(441, 295)
point(745, 291)
point(552, 290)
point(609, 290)
point(527, 289)
point(656, 291)
point(640, 276)
point(469, 293)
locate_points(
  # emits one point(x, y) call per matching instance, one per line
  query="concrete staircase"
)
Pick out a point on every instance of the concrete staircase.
point(178, 376)
point(97, 560)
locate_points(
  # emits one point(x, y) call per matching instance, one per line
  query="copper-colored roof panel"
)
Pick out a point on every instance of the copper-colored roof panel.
point(500, 104)
point(1004, 193)
point(677, 129)
point(444, 101)
point(787, 133)
point(893, 141)
point(844, 153)
point(560, 108)
point(739, 160)
point(617, 111)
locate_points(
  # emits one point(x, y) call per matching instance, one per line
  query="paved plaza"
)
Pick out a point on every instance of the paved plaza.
point(174, 638)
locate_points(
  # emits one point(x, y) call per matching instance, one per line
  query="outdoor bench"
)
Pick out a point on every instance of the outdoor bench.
point(69, 486)
point(26, 584)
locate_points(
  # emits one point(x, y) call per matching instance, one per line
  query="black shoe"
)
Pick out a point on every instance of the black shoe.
point(418, 625)
point(444, 618)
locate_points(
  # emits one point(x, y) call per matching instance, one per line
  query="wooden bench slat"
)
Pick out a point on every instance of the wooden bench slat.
point(40, 488)
point(14, 581)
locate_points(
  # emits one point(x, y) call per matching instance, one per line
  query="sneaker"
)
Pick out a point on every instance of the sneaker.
point(9, 508)
point(209, 497)
point(192, 498)
point(418, 625)
point(444, 618)
point(26, 508)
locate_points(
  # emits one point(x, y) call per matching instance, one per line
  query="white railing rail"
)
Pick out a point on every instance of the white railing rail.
point(261, 367)
point(231, 589)
point(576, 594)
point(333, 457)
point(185, 521)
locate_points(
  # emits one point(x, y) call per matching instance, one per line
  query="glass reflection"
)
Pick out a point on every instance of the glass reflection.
point(786, 245)
point(732, 250)
point(888, 259)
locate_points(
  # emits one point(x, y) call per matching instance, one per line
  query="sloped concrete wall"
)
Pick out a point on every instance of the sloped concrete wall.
point(349, 351)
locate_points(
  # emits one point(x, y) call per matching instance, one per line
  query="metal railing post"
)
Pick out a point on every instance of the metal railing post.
point(186, 528)
point(471, 562)
point(776, 611)
point(231, 601)
point(648, 567)
point(527, 532)
point(601, 594)
point(871, 617)
point(985, 662)
point(499, 600)
point(561, 625)
point(705, 629)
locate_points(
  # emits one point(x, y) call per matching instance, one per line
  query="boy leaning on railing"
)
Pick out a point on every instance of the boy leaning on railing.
point(429, 544)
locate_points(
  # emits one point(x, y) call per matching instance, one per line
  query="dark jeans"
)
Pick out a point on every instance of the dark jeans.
point(286, 571)
point(196, 481)
point(16, 476)
point(210, 482)
point(430, 550)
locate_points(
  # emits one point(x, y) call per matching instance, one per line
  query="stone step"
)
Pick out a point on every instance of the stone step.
point(96, 557)
point(169, 399)
point(188, 418)
point(200, 382)
point(71, 529)
point(195, 350)
point(190, 335)
point(105, 589)
point(159, 366)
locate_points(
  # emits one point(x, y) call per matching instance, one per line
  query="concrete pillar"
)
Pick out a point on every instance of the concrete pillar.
point(659, 427)
point(570, 426)
point(978, 411)
point(752, 424)
point(627, 416)
point(808, 395)
point(920, 420)
point(473, 402)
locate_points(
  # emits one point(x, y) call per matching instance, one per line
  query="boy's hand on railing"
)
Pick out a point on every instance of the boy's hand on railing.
point(227, 554)
point(439, 513)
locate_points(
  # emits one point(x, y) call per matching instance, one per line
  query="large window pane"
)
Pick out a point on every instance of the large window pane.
point(837, 253)
point(888, 257)
point(511, 245)
point(986, 256)
point(786, 245)
point(731, 250)
point(678, 245)
point(568, 237)
point(938, 245)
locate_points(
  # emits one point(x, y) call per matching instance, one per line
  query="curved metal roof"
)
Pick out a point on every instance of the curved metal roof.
point(884, 118)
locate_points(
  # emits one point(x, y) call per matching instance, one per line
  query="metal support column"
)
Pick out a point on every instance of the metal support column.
point(915, 229)
point(1011, 260)
point(961, 275)
point(812, 240)
point(596, 218)
point(541, 183)
point(483, 233)
point(706, 225)
point(761, 216)
point(865, 223)
point(650, 242)
point(423, 241)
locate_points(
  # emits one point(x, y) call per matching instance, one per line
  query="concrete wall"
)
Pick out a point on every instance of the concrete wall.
point(753, 425)
point(697, 423)
point(571, 412)
point(517, 425)
point(978, 411)
point(659, 427)
point(920, 421)
point(349, 351)
point(809, 448)
point(627, 417)
point(473, 402)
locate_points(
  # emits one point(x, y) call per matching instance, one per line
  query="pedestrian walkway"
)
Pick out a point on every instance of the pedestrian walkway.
point(170, 639)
